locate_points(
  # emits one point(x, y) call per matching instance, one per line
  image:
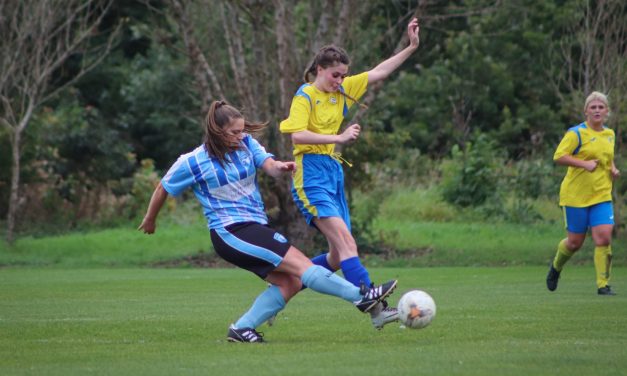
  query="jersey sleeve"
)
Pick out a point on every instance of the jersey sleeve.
point(259, 152)
point(356, 86)
point(567, 146)
point(178, 178)
point(298, 119)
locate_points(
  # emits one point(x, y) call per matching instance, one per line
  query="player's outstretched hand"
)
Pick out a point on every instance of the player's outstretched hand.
point(148, 226)
point(413, 30)
point(286, 166)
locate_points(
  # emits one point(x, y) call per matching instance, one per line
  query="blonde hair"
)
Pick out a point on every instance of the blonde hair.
point(596, 96)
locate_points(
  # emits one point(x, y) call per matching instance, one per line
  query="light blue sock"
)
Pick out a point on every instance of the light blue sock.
point(354, 272)
point(324, 281)
point(322, 261)
point(267, 304)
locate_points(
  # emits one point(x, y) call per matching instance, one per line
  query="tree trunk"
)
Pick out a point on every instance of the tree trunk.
point(15, 183)
point(290, 220)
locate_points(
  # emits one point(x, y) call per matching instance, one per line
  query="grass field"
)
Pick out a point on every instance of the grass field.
point(173, 322)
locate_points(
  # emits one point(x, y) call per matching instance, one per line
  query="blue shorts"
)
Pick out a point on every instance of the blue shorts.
point(578, 220)
point(318, 188)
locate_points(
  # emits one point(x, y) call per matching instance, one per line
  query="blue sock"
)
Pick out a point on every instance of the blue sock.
point(324, 281)
point(354, 272)
point(265, 306)
point(322, 261)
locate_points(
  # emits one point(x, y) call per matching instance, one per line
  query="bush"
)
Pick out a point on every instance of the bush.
point(471, 176)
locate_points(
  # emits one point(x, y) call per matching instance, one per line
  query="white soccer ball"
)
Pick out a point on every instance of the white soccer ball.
point(416, 309)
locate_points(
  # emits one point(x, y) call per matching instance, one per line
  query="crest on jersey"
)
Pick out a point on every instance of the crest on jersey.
point(333, 100)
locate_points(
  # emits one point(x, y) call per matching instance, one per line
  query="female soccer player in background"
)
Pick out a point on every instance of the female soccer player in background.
point(586, 192)
point(316, 113)
point(222, 174)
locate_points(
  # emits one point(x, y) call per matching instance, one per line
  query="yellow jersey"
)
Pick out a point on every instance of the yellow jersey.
point(321, 112)
point(581, 188)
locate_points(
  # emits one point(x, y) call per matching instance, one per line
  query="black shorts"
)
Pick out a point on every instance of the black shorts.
point(251, 246)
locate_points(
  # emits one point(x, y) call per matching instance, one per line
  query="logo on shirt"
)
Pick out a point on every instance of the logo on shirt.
point(610, 139)
point(333, 100)
point(317, 101)
point(279, 238)
point(245, 159)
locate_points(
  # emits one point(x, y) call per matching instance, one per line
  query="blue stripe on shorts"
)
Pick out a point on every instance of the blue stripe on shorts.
point(248, 248)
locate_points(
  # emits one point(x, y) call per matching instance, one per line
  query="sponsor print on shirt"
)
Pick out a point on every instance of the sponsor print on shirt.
point(236, 190)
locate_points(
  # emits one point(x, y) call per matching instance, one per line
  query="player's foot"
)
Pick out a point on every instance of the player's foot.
point(381, 315)
point(244, 335)
point(551, 278)
point(374, 294)
point(607, 290)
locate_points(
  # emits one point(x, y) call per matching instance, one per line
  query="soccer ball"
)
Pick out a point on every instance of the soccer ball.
point(416, 309)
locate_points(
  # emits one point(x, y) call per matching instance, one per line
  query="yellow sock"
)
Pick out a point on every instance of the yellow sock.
point(561, 256)
point(603, 264)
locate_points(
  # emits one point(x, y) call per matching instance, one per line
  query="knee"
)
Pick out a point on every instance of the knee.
point(603, 241)
point(573, 245)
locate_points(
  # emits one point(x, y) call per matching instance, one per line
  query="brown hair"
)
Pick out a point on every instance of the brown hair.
point(216, 140)
point(326, 57)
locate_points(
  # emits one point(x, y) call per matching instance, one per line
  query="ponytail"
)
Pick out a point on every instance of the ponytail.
point(310, 70)
point(216, 140)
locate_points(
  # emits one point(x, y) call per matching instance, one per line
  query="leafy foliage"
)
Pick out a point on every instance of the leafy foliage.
point(471, 176)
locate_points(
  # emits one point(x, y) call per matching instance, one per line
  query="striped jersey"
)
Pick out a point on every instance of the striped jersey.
point(228, 194)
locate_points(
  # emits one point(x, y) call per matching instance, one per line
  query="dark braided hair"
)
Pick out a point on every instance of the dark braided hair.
point(326, 57)
point(216, 139)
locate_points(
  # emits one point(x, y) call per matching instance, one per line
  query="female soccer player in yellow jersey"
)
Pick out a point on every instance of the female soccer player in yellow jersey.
point(586, 193)
point(316, 113)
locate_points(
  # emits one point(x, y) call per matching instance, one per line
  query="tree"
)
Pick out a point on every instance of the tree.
point(45, 47)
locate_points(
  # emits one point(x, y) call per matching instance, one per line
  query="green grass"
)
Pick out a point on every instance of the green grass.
point(120, 247)
point(472, 244)
point(416, 243)
point(173, 322)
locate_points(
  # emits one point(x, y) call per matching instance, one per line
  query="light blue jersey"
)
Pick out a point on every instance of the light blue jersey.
point(227, 194)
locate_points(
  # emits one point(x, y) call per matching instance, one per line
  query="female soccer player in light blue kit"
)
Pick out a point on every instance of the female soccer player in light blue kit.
point(316, 113)
point(586, 192)
point(222, 174)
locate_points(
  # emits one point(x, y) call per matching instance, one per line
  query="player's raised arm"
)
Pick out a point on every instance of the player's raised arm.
point(385, 68)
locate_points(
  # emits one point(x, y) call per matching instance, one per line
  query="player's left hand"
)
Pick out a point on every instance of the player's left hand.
point(413, 30)
point(287, 166)
point(148, 226)
point(615, 172)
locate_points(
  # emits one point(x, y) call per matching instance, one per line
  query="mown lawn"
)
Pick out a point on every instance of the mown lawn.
point(173, 322)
